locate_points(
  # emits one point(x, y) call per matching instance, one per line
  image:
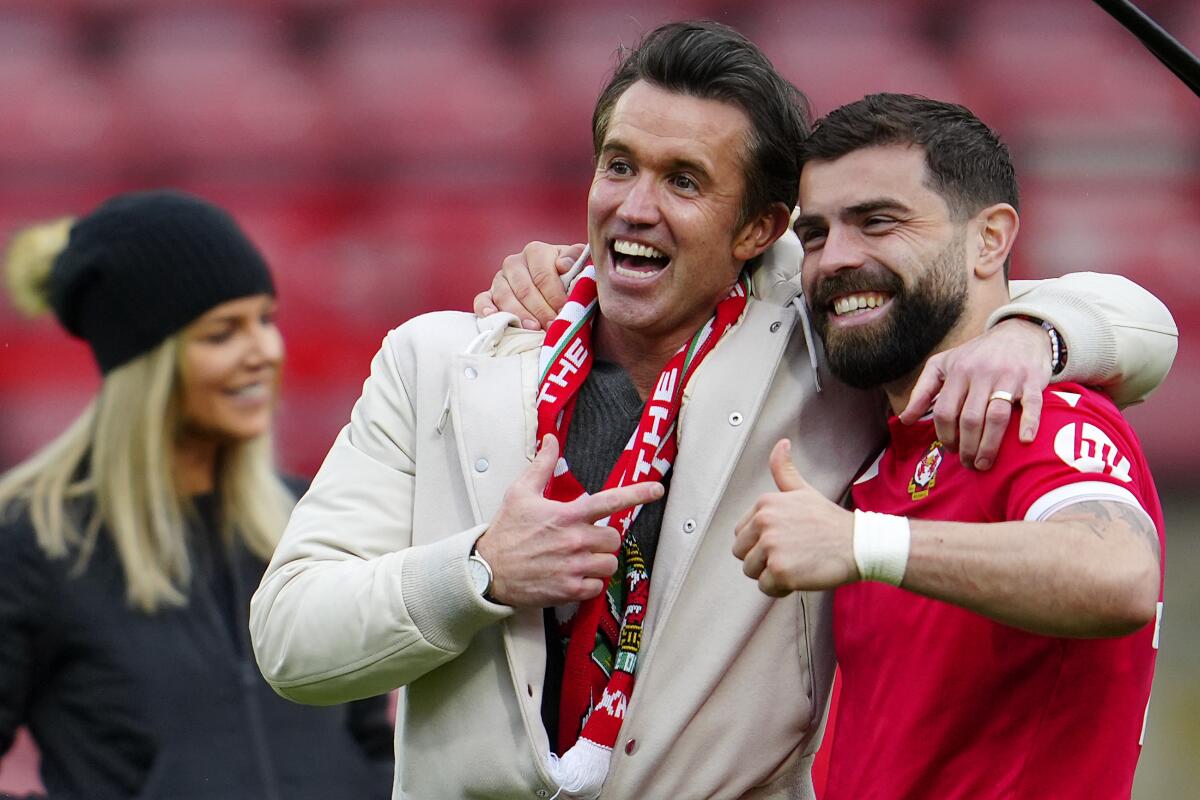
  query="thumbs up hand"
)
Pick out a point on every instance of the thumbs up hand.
point(547, 553)
point(795, 539)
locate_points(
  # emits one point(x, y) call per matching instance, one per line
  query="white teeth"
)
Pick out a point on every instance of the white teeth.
point(853, 302)
point(633, 273)
point(634, 249)
point(252, 390)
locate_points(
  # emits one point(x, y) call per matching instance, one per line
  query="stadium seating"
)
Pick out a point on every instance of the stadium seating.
point(58, 121)
point(213, 89)
point(387, 154)
point(423, 90)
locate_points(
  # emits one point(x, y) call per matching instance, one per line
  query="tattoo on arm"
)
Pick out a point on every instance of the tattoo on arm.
point(1102, 515)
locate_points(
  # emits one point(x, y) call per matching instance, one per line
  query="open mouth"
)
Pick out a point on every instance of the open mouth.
point(636, 260)
point(858, 303)
point(260, 390)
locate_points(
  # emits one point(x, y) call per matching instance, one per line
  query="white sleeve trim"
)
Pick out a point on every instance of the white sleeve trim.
point(1056, 500)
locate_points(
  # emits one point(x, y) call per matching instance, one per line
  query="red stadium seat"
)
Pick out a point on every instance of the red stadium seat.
point(46, 379)
point(426, 249)
point(1075, 94)
point(213, 87)
point(850, 49)
point(1055, 70)
point(576, 52)
point(58, 118)
point(1147, 228)
point(834, 69)
point(425, 88)
point(801, 23)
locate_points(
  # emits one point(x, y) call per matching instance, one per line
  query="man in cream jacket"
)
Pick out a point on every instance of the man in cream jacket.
point(382, 577)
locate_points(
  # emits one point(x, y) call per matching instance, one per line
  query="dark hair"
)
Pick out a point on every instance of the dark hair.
point(712, 61)
point(968, 164)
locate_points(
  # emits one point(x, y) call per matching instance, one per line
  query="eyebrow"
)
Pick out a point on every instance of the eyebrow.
point(227, 319)
point(234, 318)
point(856, 210)
point(807, 221)
point(676, 164)
point(872, 205)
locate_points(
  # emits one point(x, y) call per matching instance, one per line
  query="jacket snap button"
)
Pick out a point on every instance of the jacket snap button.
point(470, 373)
point(775, 326)
point(630, 746)
point(735, 419)
point(542, 793)
point(689, 526)
point(481, 465)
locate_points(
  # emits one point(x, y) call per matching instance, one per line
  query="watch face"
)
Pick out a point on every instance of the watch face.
point(480, 578)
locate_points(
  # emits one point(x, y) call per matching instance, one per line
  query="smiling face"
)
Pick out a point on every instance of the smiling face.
point(230, 371)
point(664, 213)
point(885, 265)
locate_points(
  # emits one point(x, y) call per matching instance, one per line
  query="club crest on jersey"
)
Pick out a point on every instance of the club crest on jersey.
point(925, 475)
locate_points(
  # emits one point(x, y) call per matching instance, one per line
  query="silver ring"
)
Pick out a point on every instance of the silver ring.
point(1000, 394)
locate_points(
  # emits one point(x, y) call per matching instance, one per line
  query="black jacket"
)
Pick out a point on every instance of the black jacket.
point(169, 705)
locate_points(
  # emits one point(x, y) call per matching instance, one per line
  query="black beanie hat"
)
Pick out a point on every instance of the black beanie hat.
point(143, 265)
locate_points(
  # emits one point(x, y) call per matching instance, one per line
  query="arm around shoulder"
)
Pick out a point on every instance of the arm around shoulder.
point(1120, 338)
point(349, 606)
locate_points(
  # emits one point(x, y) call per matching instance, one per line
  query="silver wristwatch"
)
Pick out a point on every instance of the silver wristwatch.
point(481, 574)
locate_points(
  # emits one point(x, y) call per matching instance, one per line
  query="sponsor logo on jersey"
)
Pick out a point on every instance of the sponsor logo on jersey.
point(1083, 446)
point(925, 475)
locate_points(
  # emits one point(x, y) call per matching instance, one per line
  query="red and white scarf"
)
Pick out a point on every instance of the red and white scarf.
point(604, 634)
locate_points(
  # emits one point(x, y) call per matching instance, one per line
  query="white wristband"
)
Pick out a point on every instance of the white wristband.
point(881, 546)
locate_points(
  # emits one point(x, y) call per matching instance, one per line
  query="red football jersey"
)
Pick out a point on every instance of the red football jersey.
point(939, 702)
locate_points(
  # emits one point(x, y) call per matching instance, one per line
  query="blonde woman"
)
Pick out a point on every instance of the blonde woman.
point(130, 545)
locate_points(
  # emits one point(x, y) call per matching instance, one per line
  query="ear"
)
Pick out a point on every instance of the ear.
point(761, 232)
point(997, 232)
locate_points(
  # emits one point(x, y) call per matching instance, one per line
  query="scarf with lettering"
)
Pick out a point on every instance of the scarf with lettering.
point(604, 634)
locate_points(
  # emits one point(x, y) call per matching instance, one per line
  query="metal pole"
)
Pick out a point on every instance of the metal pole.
point(1165, 47)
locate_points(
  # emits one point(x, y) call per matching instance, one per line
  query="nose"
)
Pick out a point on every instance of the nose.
point(842, 250)
point(266, 346)
point(640, 204)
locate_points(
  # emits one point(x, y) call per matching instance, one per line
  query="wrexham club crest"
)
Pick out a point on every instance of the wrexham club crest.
point(925, 475)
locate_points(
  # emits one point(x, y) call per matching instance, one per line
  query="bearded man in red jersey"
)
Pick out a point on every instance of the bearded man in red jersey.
point(992, 627)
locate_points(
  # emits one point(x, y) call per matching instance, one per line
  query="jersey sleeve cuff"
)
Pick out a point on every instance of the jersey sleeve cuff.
point(1071, 494)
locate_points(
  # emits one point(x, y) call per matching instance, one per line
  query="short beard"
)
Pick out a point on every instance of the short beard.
point(919, 319)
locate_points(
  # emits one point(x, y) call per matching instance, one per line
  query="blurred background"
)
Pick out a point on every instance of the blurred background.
point(387, 155)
